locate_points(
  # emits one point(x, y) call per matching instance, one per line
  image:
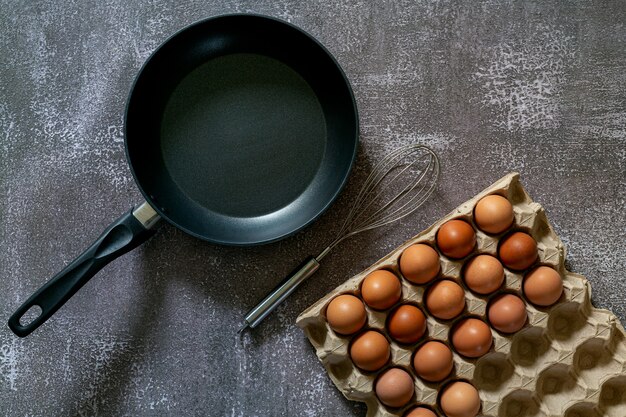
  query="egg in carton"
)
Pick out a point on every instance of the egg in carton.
point(568, 360)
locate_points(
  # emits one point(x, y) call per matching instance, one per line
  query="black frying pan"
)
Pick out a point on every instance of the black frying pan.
point(239, 130)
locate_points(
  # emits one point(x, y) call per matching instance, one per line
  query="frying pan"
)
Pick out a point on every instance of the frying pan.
point(239, 130)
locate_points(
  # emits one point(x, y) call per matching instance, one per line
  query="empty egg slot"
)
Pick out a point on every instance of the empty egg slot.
point(341, 370)
point(492, 371)
point(519, 403)
point(318, 332)
point(565, 320)
point(613, 396)
point(583, 410)
point(557, 385)
point(528, 346)
point(595, 361)
point(592, 354)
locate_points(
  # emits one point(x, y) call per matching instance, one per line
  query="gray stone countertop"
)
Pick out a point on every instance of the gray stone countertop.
point(531, 86)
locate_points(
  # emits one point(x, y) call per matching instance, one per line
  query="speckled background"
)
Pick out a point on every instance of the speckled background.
point(536, 87)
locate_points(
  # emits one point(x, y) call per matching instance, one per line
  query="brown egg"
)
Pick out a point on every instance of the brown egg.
point(381, 289)
point(406, 324)
point(507, 313)
point(445, 299)
point(420, 412)
point(394, 387)
point(370, 351)
point(346, 314)
point(543, 286)
point(460, 399)
point(433, 361)
point(419, 263)
point(493, 214)
point(472, 338)
point(518, 251)
point(483, 274)
point(456, 239)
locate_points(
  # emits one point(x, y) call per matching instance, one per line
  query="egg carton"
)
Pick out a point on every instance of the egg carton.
point(568, 360)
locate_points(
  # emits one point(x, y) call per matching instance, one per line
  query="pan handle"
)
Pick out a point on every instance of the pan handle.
point(126, 233)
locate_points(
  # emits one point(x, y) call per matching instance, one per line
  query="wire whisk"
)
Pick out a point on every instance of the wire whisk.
point(417, 162)
point(397, 186)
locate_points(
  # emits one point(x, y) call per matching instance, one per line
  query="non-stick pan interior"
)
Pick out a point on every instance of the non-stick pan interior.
point(241, 129)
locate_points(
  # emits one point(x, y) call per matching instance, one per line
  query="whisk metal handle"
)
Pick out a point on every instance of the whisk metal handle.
point(281, 292)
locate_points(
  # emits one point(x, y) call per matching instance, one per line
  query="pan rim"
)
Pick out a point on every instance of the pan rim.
point(322, 209)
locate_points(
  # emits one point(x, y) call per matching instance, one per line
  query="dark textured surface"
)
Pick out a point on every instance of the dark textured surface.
point(536, 87)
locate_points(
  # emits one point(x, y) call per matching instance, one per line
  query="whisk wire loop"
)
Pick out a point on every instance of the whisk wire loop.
point(397, 166)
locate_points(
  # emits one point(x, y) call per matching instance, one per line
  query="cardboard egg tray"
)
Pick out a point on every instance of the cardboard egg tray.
point(568, 360)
